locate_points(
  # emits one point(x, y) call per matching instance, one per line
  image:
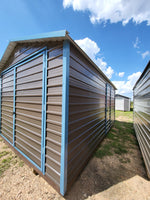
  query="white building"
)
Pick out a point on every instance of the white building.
point(122, 102)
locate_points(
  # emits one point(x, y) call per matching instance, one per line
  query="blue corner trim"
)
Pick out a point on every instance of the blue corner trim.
point(61, 33)
point(65, 115)
point(106, 109)
point(44, 100)
point(14, 106)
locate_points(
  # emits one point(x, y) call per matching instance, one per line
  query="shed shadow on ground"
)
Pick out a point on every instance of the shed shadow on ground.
point(102, 173)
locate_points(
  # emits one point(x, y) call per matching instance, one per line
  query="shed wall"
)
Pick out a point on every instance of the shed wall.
point(7, 105)
point(142, 116)
point(22, 93)
point(87, 127)
point(119, 104)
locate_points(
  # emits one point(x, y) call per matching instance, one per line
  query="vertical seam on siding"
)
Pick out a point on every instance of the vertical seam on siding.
point(14, 106)
point(110, 105)
point(65, 113)
point(106, 109)
point(44, 95)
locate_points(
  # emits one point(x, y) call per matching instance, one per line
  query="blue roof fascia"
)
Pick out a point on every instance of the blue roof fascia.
point(53, 34)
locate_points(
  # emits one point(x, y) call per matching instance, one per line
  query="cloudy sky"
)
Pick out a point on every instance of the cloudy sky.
point(114, 33)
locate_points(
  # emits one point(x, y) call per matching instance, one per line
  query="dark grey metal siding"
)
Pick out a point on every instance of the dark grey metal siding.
point(87, 124)
point(7, 105)
point(54, 113)
point(29, 108)
point(142, 115)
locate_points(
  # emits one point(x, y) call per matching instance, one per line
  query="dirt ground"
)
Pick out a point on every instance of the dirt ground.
point(116, 177)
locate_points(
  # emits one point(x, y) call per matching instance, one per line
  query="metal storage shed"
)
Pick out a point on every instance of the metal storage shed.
point(122, 102)
point(141, 94)
point(56, 105)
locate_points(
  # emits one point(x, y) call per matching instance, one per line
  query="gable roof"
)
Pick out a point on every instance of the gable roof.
point(118, 95)
point(50, 36)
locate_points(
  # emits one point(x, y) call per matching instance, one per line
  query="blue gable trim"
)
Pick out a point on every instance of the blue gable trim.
point(53, 34)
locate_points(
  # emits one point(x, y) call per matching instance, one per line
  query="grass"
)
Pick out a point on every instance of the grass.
point(8, 159)
point(3, 153)
point(121, 138)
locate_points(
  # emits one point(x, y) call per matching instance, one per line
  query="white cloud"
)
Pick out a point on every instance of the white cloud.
point(113, 10)
point(146, 53)
point(136, 43)
point(125, 87)
point(121, 74)
point(92, 50)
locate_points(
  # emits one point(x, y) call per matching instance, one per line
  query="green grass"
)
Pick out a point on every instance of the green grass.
point(5, 164)
point(7, 159)
point(3, 153)
point(131, 105)
point(121, 138)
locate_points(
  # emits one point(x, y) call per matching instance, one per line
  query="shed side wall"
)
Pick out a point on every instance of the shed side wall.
point(126, 104)
point(86, 113)
point(142, 116)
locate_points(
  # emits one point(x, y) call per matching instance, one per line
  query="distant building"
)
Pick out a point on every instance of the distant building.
point(122, 102)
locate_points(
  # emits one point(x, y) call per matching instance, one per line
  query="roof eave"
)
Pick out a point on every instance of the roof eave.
point(89, 59)
point(146, 68)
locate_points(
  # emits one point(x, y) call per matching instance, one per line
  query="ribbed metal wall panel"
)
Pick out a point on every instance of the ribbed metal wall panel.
point(86, 113)
point(112, 105)
point(28, 105)
point(21, 51)
point(7, 105)
point(142, 115)
point(54, 113)
point(108, 108)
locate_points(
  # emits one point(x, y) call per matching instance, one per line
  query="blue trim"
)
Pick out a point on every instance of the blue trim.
point(14, 106)
point(106, 109)
point(44, 100)
point(65, 114)
point(110, 103)
point(53, 34)
point(25, 60)
point(43, 52)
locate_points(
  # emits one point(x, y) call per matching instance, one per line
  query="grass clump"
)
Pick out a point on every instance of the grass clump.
point(121, 138)
point(8, 159)
point(3, 153)
point(5, 164)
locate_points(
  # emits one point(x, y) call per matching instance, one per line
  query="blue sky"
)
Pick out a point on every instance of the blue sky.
point(114, 33)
